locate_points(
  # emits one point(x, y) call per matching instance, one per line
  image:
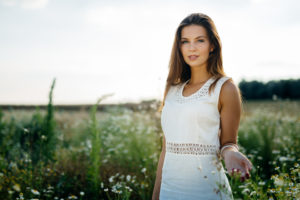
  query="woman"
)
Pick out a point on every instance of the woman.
point(200, 117)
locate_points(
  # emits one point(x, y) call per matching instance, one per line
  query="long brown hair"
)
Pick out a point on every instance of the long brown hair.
point(179, 70)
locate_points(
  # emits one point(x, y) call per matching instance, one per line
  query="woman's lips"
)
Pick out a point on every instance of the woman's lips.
point(193, 57)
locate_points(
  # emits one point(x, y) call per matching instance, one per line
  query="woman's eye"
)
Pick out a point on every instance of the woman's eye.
point(182, 42)
point(201, 40)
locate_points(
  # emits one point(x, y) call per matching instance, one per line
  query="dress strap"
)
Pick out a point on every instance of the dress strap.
point(218, 87)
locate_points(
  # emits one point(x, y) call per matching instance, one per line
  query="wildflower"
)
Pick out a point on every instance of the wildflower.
point(277, 168)
point(288, 192)
point(278, 181)
point(72, 197)
point(283, 159)
point(128, 178)
point(252, 193)
point(21, 195)
point(128, 188)
point(35, 192)
point(296, 165)
point(102, 184)
point(275, 151)
point(17, 187)
point(50, 187)
point(245, 191)
point(144, 170)
point(44, 137)
point(259, 157)
point(81, 193)
point(261, 183)
point(294, 189)
point(106, 189)
point(111, 179)
point(271, 190)
point(142, 184)
point(119, 191)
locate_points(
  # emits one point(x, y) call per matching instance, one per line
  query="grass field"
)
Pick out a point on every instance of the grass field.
point(114, 154)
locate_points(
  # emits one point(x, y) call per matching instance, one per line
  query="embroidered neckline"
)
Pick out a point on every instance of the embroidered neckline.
point(203, 91)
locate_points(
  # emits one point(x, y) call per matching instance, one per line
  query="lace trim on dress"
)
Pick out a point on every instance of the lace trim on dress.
point(203, 91)
point(191, 148)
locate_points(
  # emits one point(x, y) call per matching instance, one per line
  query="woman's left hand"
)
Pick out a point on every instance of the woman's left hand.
point(236, 161)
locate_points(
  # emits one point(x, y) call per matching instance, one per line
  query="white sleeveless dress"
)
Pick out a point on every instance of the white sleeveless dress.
point(191, 168)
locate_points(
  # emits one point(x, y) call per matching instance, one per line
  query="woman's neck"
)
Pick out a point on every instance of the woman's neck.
point(199, 75)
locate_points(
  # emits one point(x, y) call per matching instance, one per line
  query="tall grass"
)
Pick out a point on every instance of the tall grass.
point(50, 137)
point(114, 154)
point(94, 175)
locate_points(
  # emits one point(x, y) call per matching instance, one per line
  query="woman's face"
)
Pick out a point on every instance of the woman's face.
point(195, 45)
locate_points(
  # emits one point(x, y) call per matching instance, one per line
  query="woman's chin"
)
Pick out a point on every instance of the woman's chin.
point(195, 65)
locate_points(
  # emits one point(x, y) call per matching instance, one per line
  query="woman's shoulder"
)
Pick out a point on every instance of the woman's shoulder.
point(229, 89)
point(173, 89)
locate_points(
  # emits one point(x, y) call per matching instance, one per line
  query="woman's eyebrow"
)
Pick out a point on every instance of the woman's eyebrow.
point(196, 37)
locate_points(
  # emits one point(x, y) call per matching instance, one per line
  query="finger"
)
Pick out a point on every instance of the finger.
point(249, 164)
point(245, 164)
point(246, 172)
point(247, 175)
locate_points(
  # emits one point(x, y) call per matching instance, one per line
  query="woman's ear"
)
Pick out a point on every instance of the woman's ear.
point(212, 48)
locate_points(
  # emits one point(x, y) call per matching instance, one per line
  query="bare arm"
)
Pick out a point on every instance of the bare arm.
point(156, 190)
point(230, 112)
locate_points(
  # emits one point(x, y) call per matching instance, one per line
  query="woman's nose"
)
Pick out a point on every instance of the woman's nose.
point(192, 46)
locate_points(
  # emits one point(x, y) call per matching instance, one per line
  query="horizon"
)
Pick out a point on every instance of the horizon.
point(92, 51)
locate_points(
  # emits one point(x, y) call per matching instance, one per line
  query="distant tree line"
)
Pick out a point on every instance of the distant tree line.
point(281, 89)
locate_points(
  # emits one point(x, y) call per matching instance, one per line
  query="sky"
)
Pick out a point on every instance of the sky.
point(123, 47)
